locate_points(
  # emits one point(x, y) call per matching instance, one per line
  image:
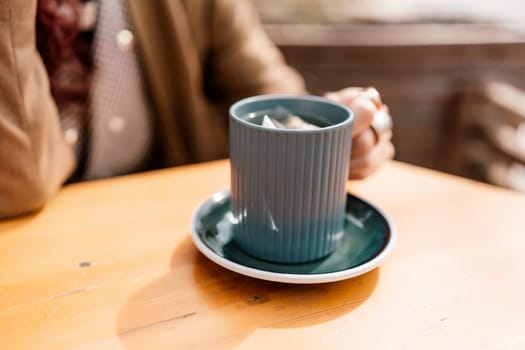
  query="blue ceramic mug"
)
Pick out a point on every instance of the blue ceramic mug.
point(287, 185)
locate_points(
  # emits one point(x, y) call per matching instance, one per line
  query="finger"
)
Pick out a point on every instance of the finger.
point(348, 94)
point(363, 143)
point(364, 103)
point(362, 167)
point(364, 110)
point(382, 122)
point(367, 140)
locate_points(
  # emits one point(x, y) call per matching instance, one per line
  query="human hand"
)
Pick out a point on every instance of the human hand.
point(372, 132)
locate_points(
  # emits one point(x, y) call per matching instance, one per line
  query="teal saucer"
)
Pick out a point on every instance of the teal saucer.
point(369, 237)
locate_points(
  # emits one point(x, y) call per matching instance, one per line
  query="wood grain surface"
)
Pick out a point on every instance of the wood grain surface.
point(110, 265)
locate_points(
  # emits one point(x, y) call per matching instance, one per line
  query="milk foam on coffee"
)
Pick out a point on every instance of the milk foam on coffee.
point(281, 118)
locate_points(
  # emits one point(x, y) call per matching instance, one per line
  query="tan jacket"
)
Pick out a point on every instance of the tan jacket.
point(199, 57)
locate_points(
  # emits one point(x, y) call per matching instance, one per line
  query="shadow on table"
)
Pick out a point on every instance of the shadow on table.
point(17, 222)
point(199, 304)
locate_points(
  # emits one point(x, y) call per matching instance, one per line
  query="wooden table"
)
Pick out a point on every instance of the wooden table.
point(110, 265)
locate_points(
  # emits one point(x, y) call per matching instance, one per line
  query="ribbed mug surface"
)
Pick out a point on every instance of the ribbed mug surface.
point(288, 186)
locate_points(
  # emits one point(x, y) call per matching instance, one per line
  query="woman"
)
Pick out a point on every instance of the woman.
point(190, 58)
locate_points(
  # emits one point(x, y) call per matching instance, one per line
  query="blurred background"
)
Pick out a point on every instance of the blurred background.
point(452, 73)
